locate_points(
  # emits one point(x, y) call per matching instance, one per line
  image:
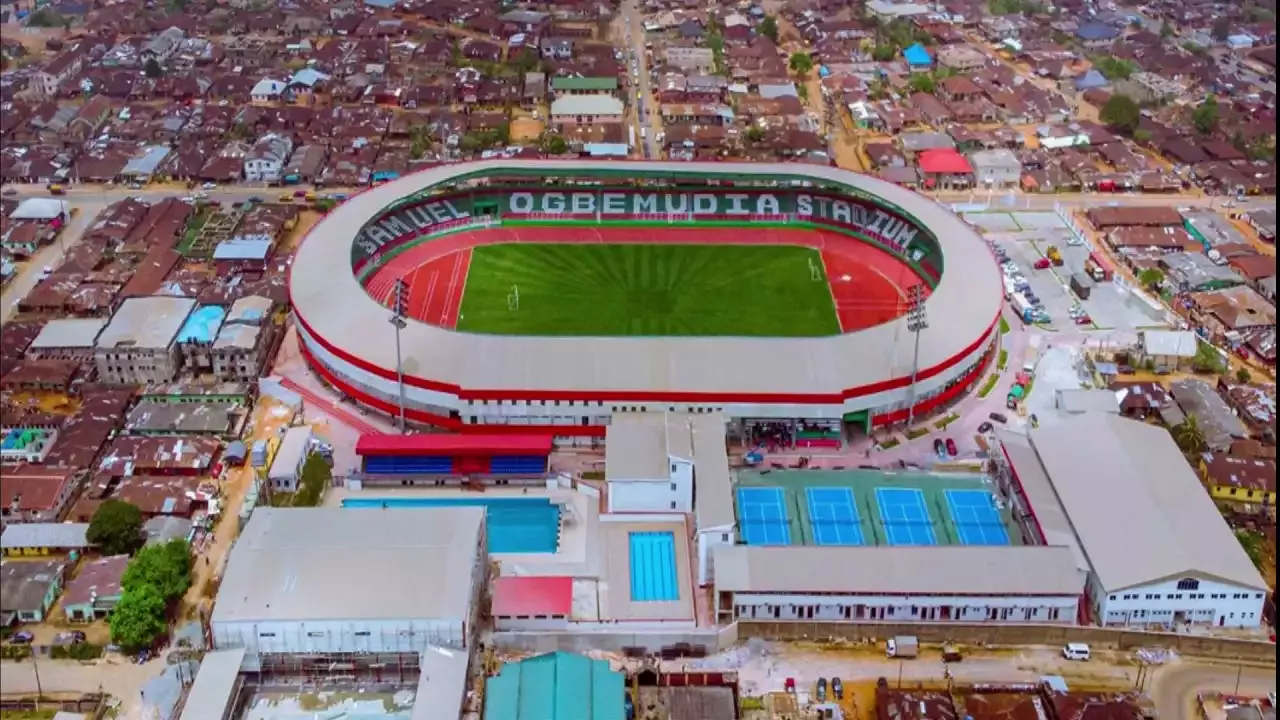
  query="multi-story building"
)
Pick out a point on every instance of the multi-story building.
point(49, 80)
point(265, 162)
point(244, 344)
point(138, 346)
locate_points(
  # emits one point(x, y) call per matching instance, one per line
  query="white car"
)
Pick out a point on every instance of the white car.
point(209, 186)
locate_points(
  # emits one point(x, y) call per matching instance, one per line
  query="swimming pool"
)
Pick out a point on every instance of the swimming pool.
point(653, 567)
point(514, 525)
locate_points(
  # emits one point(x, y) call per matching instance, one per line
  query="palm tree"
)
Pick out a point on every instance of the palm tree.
point(1189, 436)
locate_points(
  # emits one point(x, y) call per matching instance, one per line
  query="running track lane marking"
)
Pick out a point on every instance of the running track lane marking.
point(831, 290)
point(457, 287)
point(423, 302)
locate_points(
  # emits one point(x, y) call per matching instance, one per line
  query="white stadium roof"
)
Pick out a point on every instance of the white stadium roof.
point(335, 309)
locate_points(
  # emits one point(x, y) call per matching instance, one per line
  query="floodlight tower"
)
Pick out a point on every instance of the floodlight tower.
point(399, 301)
point(916, 322)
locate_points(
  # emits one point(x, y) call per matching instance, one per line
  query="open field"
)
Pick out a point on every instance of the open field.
point(647, 289)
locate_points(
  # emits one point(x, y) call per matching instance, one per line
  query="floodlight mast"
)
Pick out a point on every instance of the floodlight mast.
point(399, 301)
point(917, 321)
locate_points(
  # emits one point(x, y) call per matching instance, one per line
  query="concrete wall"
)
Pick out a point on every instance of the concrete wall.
point(612, 640)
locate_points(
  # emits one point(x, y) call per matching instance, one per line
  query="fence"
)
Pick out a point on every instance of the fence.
point(92, 704)
point(711, 639)
point(1222, 648)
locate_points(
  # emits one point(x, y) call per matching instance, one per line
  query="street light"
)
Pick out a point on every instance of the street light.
point(917, 321)
point(399, 301)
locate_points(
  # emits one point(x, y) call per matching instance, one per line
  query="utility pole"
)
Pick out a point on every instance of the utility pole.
point(916, 322)
point(399, 300)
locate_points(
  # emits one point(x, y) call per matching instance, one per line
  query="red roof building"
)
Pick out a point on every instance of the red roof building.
point(532, 603)
point(944, 161)
point(34, 494)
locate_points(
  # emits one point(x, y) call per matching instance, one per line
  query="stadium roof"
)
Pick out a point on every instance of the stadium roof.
point(326, 563)
point(914, 570)
point(556, 686)
point(1138, 509)
point(336, 312)
point(485, 445)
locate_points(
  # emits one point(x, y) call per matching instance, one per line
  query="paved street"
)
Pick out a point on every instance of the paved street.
point(634, 39)
point(1174, 688)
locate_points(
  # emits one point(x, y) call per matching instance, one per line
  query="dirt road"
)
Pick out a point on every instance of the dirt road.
point(1174, 688)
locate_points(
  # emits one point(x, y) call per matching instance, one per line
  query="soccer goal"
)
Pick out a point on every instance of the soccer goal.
point(815, 271)
point(513, 298)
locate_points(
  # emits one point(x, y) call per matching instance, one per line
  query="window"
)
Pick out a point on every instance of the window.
point(673, 485)
point(1189, 584)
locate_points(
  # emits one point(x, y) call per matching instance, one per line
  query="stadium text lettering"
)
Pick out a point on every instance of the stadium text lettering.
point(862, 217)
point(407, 221)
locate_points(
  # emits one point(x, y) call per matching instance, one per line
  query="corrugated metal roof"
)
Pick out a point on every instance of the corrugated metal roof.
point(712, 486)
point(918, 570)
point(58, 536)
point(1138, 508)
point(434, 444)
point(335, 307)
point(215, 685)
point(556, 686)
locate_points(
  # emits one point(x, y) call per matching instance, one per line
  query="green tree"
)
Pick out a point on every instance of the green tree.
point(1113, 68)
point(554, 144)
point(1151, 278)
point(167, 568)
point(801, 63)
point(116, 528)
point(1243, 376)
point(769, 27)
point(312, 481)
point(1220, 30)
point(1142, 135)
point(139, 619)
point(1166, 30)
point(883, 53)
point(1207, 359)
point(1189, 436)
point(1205, 116)
point(1121, 113)
point(922, 83)
point(152, 68)
point(754, 134)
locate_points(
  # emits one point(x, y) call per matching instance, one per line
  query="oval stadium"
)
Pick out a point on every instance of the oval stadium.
point(549, 295)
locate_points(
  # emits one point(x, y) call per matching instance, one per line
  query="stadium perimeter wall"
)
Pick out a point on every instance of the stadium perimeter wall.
point(725, 638)
point(1221, 648)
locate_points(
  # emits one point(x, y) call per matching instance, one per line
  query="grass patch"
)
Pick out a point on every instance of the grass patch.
point(889, 444)
point(1254, 545)
point(1002, 360)
point(194, 225)
point(916, 433)
point(988, 386)
point(1004, 326)
point(944, 422)
point(584, 289)
point(41, 714)
point(593, 475)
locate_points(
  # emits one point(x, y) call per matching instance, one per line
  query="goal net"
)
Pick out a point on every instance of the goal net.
point(513, 299)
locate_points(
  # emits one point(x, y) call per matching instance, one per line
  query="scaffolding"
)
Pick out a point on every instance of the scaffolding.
point(329, 669)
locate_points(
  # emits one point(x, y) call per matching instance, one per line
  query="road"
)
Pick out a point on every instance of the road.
point(86, 211)
point(634, 34)
point(1174, 688)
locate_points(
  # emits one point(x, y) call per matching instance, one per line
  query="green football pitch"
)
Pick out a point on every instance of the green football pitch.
point(647, 289)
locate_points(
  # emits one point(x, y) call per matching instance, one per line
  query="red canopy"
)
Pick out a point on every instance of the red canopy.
point(944, 161)
point(436, 444)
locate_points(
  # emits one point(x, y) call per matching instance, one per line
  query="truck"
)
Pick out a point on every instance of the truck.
point(1081, 285)
point(903, 647)
point(1054, 255)
point(1023, 307)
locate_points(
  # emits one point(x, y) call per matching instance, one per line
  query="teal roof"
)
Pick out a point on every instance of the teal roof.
point(556, 686)
point(584, 83)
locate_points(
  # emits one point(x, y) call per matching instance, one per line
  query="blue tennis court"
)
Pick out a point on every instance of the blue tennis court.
point(762, 513)
point(905, 517)
point(653, 567)
point(833, 517)
point(976, 518)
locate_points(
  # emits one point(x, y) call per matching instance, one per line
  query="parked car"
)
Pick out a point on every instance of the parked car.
point(985, 428)
point(940, 448)
point(1042, 264)
point(822, 690)
point(837, 688)
point(951, 448)
point(999, 417)
point(23, 637)
point(10, 191)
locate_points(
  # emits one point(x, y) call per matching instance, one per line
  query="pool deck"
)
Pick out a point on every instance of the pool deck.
point(863, 484)
point(614, 586)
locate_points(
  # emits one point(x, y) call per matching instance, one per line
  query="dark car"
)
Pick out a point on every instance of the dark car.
point(822, 689)
point(999, 417)
point(939, 448)
point(985, 428)
point(22, 638)
point(837, 688)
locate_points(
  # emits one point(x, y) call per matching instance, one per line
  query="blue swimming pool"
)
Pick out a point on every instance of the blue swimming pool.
point(653, 567)
point(515, 525)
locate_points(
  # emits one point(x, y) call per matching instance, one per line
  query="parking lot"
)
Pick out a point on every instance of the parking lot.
point(1026, 238)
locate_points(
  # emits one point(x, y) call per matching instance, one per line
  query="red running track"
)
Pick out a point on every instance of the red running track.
point(868, 285)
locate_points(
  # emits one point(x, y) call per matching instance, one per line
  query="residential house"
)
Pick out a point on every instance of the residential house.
point(1218, 423)
point(50, 80)
point(691, 59)
point(1239, 479)
point(1147, 87)
point(1096, 35)
point(267, 90)
point(1166, 351)
point(918, 58)
point(28, 589)
point(266, 161)
point(305, 165)
point(569, 86)
point(944, 169)
point(162, 45)
point(996, 168)
point(245, 341)
point(577, 110)
point(555, 48)
point(36, 493)
point(95, 590)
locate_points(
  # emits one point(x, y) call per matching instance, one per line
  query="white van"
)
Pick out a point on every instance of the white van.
point(1076, 651)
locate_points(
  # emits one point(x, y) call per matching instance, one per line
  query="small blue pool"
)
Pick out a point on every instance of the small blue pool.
point(514, 525)
point(653, 567)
